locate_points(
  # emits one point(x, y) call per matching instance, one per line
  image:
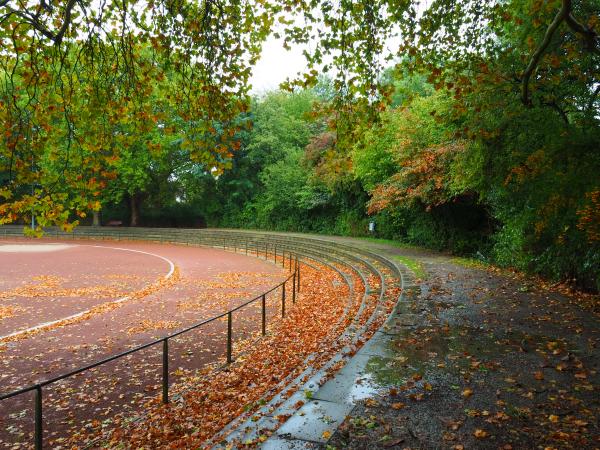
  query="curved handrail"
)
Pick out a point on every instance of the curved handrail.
point(140, 347)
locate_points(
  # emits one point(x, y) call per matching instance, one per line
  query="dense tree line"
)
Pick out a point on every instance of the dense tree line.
point(478, 132)
point(520, 190)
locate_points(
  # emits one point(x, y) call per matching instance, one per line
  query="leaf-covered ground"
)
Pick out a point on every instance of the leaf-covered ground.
point(206, 282)
point(208, 400)
point(483, 359)
point(43, 286)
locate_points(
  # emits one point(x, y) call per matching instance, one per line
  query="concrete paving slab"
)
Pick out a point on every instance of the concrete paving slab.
point(360, 388)
point(406, 320)
point(313, 384)
point(277, 443)
point(378, 345)
point(314, 419)
point(346, 386)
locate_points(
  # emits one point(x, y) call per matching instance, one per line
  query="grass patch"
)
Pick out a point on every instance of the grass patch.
point(470, 263)
point(415, 266)
point(389, 242)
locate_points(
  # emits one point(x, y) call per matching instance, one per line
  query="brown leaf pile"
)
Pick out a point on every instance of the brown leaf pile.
point(217, 398)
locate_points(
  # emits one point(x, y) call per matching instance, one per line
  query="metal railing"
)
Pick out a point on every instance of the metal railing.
point(294, 278)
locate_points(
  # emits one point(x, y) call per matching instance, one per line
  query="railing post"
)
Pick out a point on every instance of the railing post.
point(283, 299)
point(229, 333)
point(283, 258)
point(165, 374)
point(266, 247)
point(294, 288)
point(290, 262)
point(298, 270)
point(264, 315)
point(39, 427)
point(246, 246)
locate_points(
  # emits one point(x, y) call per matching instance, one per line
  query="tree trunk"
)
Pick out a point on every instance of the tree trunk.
point(134, 201)
point(96, 215)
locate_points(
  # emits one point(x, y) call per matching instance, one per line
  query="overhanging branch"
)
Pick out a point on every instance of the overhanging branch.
point(36, 24)
point(565, 10)
point(589, 36)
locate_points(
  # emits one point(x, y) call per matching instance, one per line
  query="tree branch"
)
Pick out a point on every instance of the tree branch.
point(561, 112)
point(66, 23)
point(590, 37)
point(564, 12)
point(31, 20)
point(39, 26)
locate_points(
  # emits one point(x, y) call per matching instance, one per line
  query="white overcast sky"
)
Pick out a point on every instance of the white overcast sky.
point(275, 65)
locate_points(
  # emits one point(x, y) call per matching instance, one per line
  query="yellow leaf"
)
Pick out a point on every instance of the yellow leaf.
point(479, 433)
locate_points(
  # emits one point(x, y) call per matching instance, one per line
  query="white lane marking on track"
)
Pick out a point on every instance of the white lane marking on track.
point(32, 248)
point(114, 302)
point(168, 261)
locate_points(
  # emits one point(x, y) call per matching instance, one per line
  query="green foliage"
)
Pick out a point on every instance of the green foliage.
point(480, 140)
point(79, 84)
point(278, 206)
point(499, 181)
point(374, 157)
point(537, 189)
